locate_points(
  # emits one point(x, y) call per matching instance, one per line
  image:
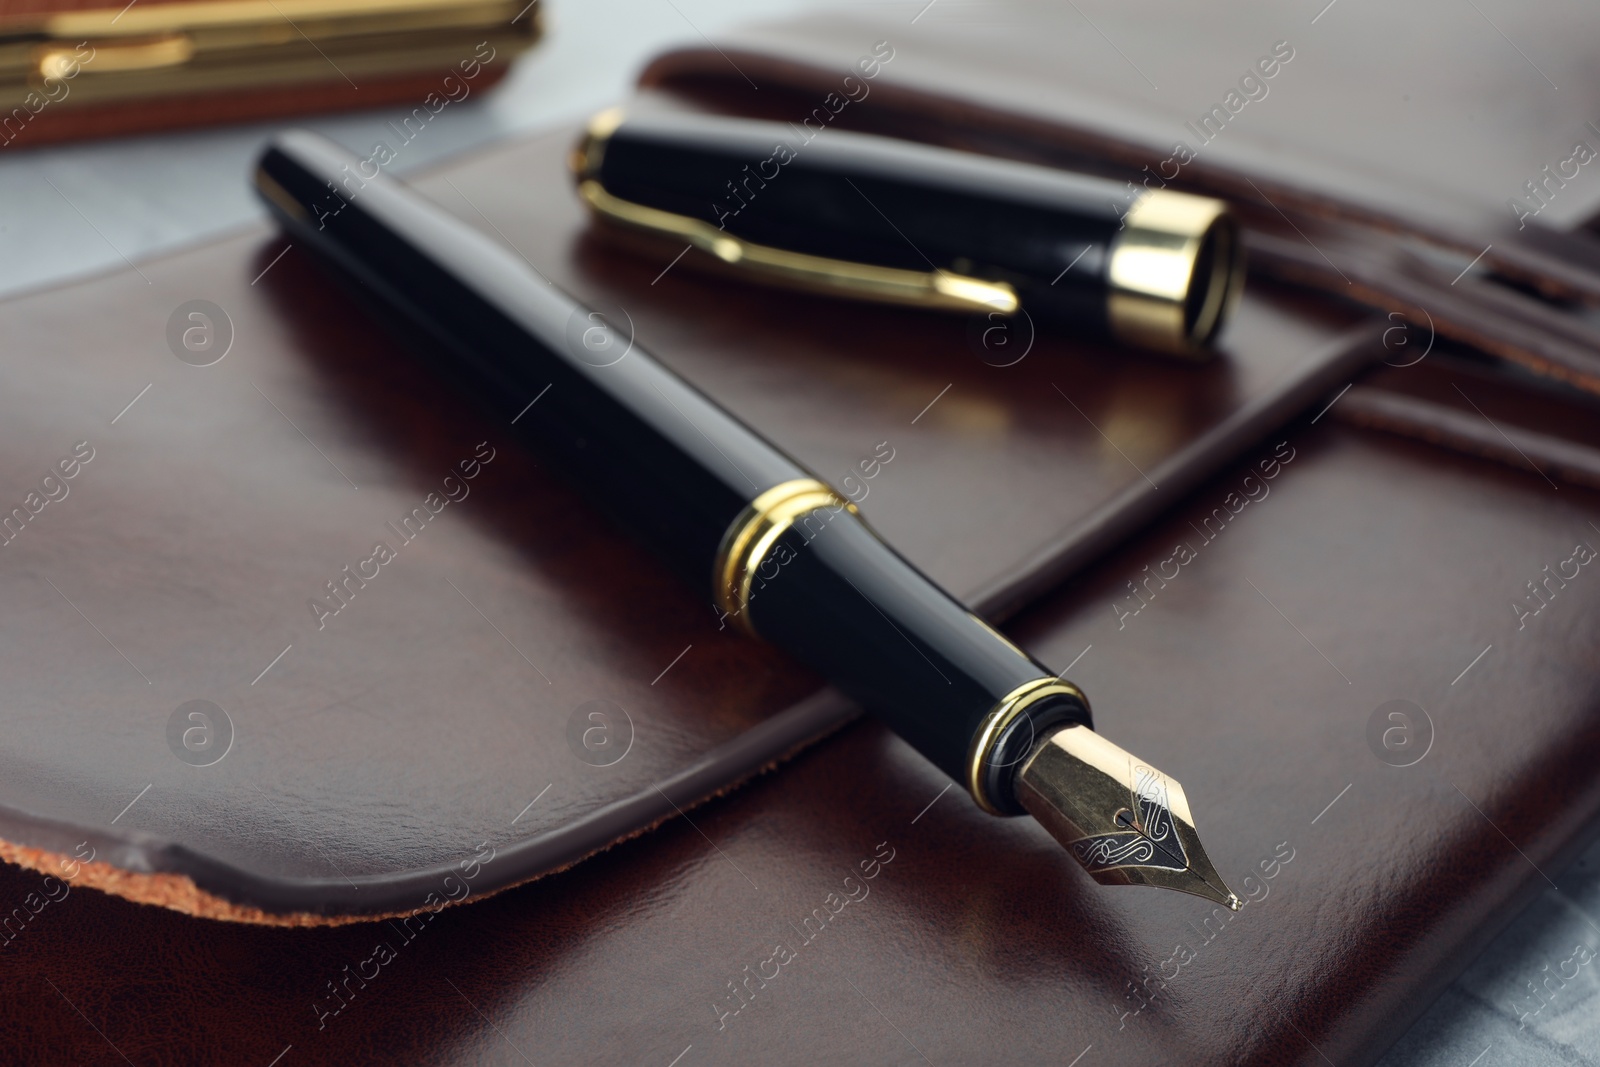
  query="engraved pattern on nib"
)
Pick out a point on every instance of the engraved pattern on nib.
point(1152, 838)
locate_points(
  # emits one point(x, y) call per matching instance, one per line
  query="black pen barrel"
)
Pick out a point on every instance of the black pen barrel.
point(643, 443)
point(834, 595)
point(781, 554)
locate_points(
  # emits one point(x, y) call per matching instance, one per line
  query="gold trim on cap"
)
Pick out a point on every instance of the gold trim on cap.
point(1001, 716)
point(751, 536)
point(1176, 270)
point(818, 274)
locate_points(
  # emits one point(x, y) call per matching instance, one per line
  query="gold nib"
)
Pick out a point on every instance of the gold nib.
point(1125, 821)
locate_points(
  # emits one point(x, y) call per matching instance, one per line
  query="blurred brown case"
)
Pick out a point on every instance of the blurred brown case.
point(75, 68)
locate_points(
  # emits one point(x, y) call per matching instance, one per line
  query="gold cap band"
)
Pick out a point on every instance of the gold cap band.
point(1176, 270)
point(1000, 717)
point(751, 536)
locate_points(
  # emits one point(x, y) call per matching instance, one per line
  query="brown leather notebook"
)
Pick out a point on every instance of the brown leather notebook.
point(418, 741)
point(510, 607)
point(415, 738)
point(1362, 571)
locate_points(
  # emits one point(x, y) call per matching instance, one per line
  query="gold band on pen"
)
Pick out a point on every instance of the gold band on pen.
point(994, 726)
point(1176, 269)
point(751, 536)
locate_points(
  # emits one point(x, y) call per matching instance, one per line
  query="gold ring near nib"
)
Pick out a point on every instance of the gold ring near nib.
point(1123, 820)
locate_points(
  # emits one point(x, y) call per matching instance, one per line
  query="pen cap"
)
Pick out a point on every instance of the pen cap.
point(875, 218)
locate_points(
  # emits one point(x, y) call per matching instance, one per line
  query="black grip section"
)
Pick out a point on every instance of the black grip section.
point(642, 443)
point(837, 597)
point(878, 200)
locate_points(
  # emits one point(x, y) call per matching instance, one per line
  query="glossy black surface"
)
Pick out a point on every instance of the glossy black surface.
point(666, 461)
point(841, 600)
point(878, 200)
point(640, 441)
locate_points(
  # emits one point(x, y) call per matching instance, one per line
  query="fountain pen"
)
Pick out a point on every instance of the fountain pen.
point(780, 554)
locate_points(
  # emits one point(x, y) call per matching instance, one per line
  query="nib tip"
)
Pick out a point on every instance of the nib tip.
point(1124, 821)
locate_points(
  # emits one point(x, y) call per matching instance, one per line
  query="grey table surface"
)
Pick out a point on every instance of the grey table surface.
point(1531, 999)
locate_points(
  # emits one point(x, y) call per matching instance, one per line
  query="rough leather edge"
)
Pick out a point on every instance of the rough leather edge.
point(178, 892)
point(175, 891)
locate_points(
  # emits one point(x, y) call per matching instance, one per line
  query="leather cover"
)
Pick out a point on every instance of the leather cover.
point(394, 753)
point(397, 736)
point(975, 940)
